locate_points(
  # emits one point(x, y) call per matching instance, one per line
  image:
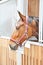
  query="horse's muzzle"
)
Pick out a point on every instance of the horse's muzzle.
point(13, 46)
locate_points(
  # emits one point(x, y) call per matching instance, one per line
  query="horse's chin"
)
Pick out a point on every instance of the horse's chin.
point(13, 46)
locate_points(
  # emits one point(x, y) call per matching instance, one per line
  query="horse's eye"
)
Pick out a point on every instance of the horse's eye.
point(19, 24)
point(17, 27)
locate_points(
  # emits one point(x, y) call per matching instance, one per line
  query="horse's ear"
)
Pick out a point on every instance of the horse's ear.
point(33, 23)
point(23, 18)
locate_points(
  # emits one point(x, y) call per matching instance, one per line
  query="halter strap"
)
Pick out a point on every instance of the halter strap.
point(25, 33)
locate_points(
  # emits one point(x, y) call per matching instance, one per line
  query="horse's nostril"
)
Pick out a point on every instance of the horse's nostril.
point(14, 47)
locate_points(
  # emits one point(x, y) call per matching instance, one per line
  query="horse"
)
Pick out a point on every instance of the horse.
point(25, 29)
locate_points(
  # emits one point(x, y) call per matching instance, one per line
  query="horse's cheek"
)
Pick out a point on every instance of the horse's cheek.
point(15, 35)
point(29, 32)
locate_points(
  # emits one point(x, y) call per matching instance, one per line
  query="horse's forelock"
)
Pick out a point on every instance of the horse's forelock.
point(29, 19)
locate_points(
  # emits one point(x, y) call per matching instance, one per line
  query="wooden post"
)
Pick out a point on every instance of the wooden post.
point(33, 8)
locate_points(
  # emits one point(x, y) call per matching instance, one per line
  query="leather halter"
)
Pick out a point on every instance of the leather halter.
point(25, 33)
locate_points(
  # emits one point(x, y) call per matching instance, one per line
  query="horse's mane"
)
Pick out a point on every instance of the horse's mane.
point(30, 18)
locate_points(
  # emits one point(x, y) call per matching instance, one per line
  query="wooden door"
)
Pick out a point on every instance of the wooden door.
point(33, 8)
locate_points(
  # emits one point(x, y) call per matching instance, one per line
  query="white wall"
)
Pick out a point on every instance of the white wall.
point(7, 17)
point(21, 6)
point(41, 8)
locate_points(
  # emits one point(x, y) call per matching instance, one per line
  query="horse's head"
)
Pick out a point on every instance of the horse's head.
point(24, 30)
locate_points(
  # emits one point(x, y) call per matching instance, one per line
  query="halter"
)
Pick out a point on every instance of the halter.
point(25, 33)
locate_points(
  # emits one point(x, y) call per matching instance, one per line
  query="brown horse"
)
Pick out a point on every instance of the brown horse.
point(24, 30)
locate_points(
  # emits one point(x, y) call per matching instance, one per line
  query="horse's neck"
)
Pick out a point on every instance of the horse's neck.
point(36, 35)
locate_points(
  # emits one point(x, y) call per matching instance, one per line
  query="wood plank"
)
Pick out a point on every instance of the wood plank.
point(28, 55)
point(12, 56)
point(7, 57)
point(39, 56)
point(25, 56)
point(33, 8)
point(0, 55)
point(32, 54)
point(23, 62)
point(36, 54)
point(41, 62)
